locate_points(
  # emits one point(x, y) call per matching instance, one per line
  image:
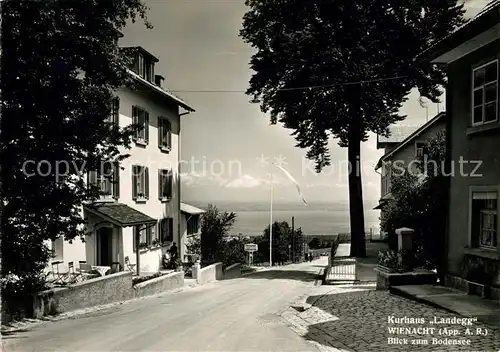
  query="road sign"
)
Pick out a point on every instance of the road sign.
point(251, 247)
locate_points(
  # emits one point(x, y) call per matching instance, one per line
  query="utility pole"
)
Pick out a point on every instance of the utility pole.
point(293, 239)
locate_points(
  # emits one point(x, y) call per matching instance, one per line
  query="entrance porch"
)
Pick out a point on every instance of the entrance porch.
point(111, 236)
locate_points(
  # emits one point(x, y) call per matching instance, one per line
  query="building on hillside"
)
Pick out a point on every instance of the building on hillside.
point(190, 227)
point(471, 57)
point(401, 149)
point(139, 214)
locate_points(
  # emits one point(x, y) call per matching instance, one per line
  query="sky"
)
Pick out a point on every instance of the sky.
point(228, 144)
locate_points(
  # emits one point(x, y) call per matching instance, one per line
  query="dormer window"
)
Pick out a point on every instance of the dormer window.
point(145, 67)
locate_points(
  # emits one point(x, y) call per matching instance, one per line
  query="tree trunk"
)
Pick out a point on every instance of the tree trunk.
point(356, 211)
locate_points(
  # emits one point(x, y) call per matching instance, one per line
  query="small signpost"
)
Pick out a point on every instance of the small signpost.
point(251, 248)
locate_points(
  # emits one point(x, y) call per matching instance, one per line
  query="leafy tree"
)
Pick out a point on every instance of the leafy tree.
point(60, 66)
point(215, 227)
point(341, 69)
point(233, 252)
point(282, 242)
point(420, 203)
point(315, 243)
point(193, 245)
point(299, 243)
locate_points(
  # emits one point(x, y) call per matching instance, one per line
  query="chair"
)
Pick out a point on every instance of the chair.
point(130, 266)
point(72, 275)
point(116, 267)
point(58, 277)
point(82, 266)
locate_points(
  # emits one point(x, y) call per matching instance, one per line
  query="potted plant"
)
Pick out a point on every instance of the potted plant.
point(388, 261)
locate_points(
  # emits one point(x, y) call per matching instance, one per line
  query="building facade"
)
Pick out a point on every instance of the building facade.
point(139, 214)
point(471, 56)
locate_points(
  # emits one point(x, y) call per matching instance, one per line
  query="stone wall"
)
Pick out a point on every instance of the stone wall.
point(160, 284)
point(207, 274)
point(103, 290)
point(93, 292)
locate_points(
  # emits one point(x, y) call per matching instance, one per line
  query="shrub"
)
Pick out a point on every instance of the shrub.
point(138, 280)
point(420, 203)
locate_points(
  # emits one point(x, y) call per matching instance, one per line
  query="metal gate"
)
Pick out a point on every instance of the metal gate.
point(342, 269)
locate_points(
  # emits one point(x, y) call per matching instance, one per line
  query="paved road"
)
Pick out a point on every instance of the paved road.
point(232, 315)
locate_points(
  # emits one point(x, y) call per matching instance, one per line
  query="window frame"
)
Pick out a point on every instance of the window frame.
point(193, 221)
point(472, 238)
point(482, 87)
point(97, 178)
point(167, 224)
point(151, 235)
point(163, 124)
point(141, 136)
point(165, 175)
point(140, 178)
point(417, 148)
point(140, 64)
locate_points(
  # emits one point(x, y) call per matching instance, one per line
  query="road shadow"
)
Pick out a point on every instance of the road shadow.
point(13, 334)
point(274, 274)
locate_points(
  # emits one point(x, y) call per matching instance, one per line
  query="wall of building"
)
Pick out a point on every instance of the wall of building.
point(183, 236)
point(153, 158)
point(404, 156)
point(481, 147)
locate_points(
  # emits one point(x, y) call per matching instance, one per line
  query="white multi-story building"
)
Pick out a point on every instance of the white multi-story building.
point(141, 213)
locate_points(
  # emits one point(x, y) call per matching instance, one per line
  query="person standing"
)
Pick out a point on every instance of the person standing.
point(173, 251)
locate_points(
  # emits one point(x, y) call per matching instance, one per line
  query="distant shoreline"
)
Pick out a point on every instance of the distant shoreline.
point(281, 206)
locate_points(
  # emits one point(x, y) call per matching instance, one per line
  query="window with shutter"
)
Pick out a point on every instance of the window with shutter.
point(166, 230)
point(165, 134)
point(164, 185)
point(140, 117)
point(140, 186)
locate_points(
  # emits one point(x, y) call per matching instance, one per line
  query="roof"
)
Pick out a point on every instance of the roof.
point(160, 90)
point(397, 135)
point(191, 209)
point(408, 139)
point(120, 214)
point(142, 50)
point(484, 21)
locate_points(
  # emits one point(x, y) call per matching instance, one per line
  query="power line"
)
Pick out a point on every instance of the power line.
point(295, 88)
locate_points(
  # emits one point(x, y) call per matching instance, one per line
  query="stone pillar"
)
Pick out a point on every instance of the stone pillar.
point(405, 243)
point(196, 269)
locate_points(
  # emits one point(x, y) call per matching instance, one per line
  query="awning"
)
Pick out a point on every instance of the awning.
point(120, 214)
point(383, 201)
point(190, 209)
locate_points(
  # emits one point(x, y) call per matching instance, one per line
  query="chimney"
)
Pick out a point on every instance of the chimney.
point(159, 80)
